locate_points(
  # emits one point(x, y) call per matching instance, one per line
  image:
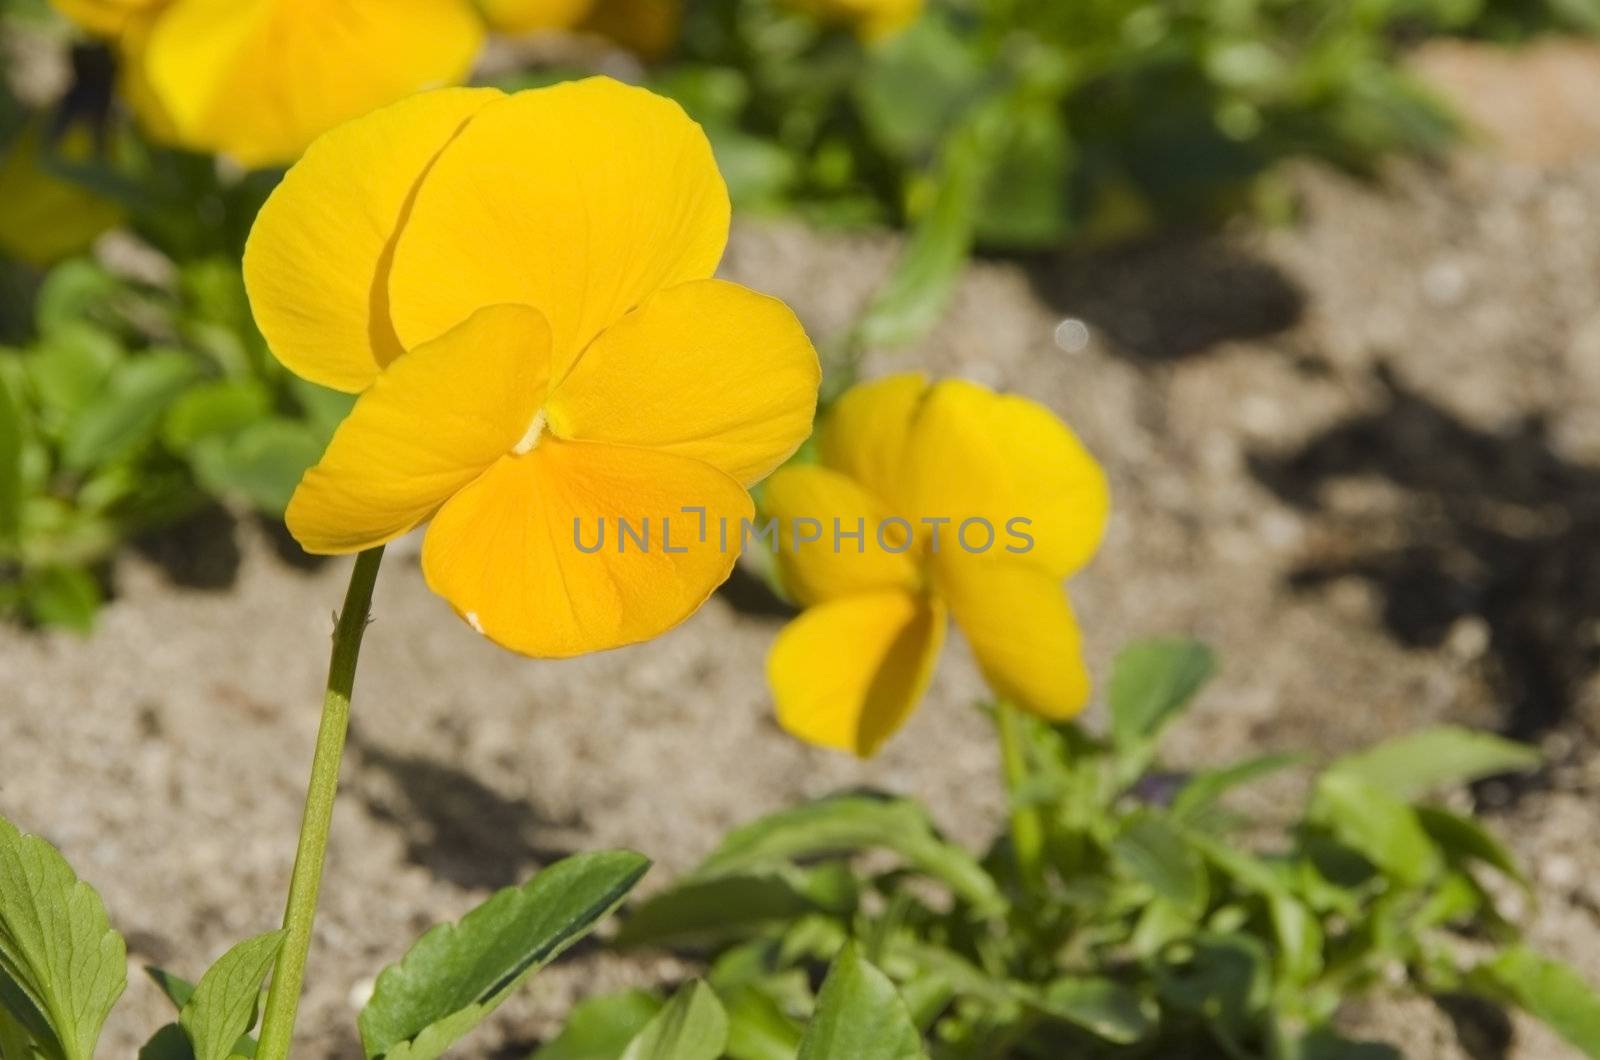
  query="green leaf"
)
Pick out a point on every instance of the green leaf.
point(916, 85)
point(757, 1026)
point(692, 1026)
point(66, 597)
point(129, 409)
point(1380, 827)
point(177, 989)
point(224, 407)
point(262, 464)
point(700, 912)
point(1549, 990)
point(71, 367)
point(223, 1007)
point(1150, 683)
point(1103, 1007)
point(860, 1015)
point(1412, 765)
point(168, 1043)
point(847, 824)
point(63, 966)
point(1157, 853)
point(11, 455)
point(456, 974)
point(600, 1028)
point(1463, 838)
point(1204, 790)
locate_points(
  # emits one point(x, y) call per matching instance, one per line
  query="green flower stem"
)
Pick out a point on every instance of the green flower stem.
point(283, 998)
point(1027, 829)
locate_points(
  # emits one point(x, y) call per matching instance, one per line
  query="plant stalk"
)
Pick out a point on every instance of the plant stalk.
point(283, 997)
point(1027, 828)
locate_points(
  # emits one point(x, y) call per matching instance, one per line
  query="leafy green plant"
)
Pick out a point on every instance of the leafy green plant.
point(1128, 912)
point(131, 407)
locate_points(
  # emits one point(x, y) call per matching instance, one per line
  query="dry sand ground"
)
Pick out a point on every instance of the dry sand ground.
point(1360, 457)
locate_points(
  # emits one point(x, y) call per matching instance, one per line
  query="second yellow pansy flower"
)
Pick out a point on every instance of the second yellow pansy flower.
point(520, 286)
point(930, 502)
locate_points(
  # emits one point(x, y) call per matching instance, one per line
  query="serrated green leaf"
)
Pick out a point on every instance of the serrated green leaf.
point(57, 948)
point(1103, 1007)
point(860, 1015)
point(224, 407)
point(262, 464)
point(600, 1028)
point(1151, 682)
point(63, 597)
point(848, 824)
point(692, 1026)
point(1410, 766)
point(1157, 853)
point(1551, 991)
point(223, 1007)
point(456, 974)
point(71, 368)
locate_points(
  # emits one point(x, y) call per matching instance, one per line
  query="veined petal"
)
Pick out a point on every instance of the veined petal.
point(707, 370)
point(865, 433)
point(975, 454)
point(817, 502)
point(427, 427)
point(581, 200)
point(317, 263)
point(519, 553)
point(528, 16)
point(260, 79)
point(848, 673)
point(1020, 624)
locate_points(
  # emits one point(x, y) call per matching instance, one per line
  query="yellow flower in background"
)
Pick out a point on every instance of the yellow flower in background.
point(648, 28)
point(44, 216)
point(969, 504)
point(872, 19)
point(258, 80)
point(528, 16)
point(520, 289)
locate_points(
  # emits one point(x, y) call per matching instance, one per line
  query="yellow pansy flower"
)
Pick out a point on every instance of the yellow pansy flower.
point(930, 502)
point(872, 19)
point(520, 289)
point(646, 27)
point(258, 80)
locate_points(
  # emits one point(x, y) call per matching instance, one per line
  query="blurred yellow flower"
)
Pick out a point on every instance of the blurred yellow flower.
point(646, 27)
point(872, 19)
point(44, 216)
point(258, 80)
point(520, 288)
point(527, 16)
point(930, 502)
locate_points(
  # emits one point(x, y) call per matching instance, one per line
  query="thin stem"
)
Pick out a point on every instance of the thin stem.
point(1027, 829)
point(283, 997)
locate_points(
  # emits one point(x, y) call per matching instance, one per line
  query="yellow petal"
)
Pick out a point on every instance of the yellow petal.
point(518, 553)
point(865, 433)
point(649, 28)
point(872, 19)
point(427, 427)
point(105, 17)
point(707, 370)
point(260, 79)
point(815, 507)
point(1011, 465)
point(581, 200)
point(317, 263)
point(846, 674)
point(528, 16)
point(1019, 622)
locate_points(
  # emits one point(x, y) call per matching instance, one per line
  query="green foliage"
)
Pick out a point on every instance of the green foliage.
point(62, 967)
point(130, 407)
point(456, 974)
point(1165, 922)
point(692, 1026)
point(224, 1005)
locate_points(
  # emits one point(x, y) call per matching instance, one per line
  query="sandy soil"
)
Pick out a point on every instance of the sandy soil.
point(1359, 456)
